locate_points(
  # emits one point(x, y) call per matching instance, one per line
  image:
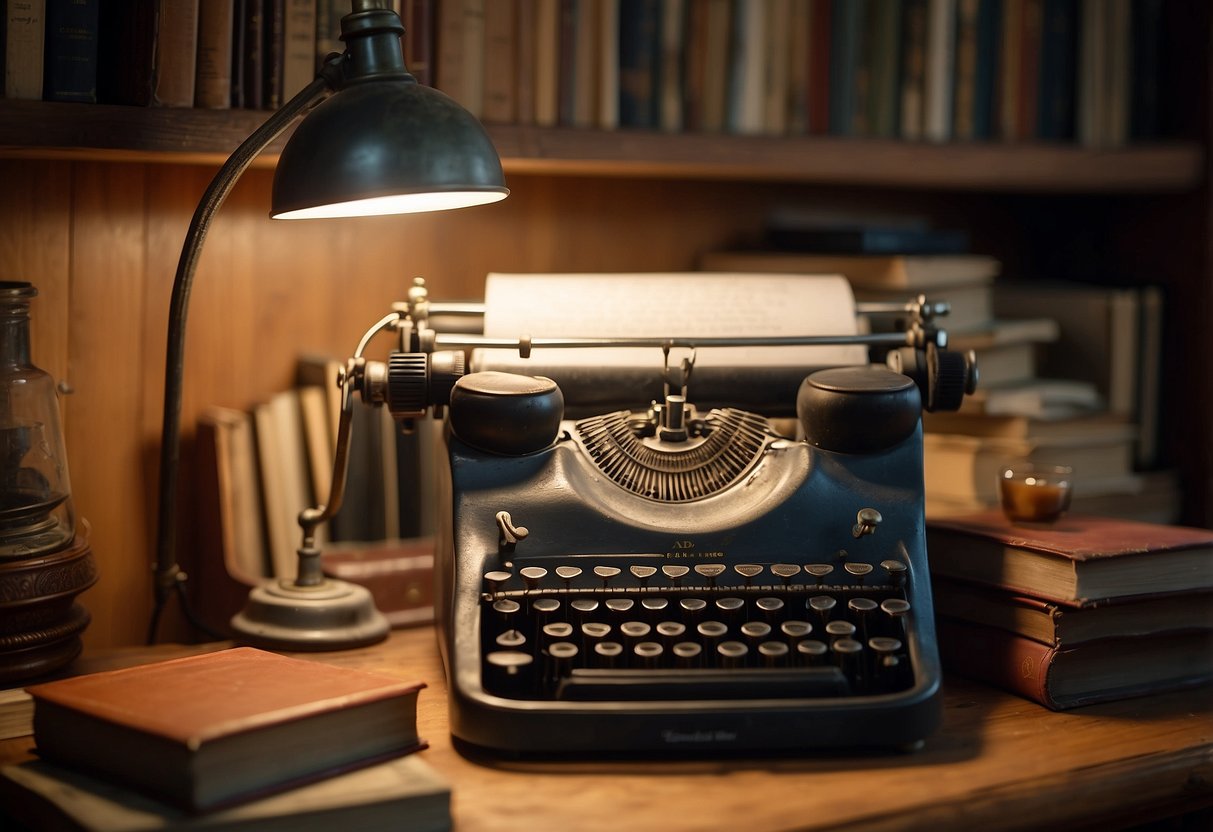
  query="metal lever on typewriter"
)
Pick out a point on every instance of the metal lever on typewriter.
point(943, 377)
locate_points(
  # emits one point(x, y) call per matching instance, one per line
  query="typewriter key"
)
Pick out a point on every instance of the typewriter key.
point(811, 651)
point(558, 629)
point(732, 653)
point(785, 571)
point(822, 605)
point(670, 630)
point(857, 570)
point(686, 653)
point(643, 573)
point(511, 640)
point(846, 656)
point(620, 605)
point(675, 573)
point(595, 631)
point(607, 653)
point(634, 630)
point(795, 630)
point(710, 631)
point(773, 653)
point(896, 569)
point(583, 608)
point(749, 571)
point(840, 629)
point(568, 574)
point(896, 609)
point(648, 653)
point(544, 608)
point(755, 630)
point(506, 673)
point(654, 607)
point(496, 580)
point(769, 607)
point(506, 609)
point(532, 575)
point(606, 573)
point(861, 612)
point(694, 607)
point(711, 571)
point(819, 571)
point(730, 608)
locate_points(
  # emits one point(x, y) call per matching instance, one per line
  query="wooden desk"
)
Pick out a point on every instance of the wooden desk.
point(998, 762)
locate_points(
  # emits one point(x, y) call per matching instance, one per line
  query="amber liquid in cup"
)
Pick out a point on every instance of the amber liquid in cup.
point(1035, 495)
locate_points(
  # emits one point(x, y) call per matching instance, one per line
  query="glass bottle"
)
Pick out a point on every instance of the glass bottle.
point(36, 514)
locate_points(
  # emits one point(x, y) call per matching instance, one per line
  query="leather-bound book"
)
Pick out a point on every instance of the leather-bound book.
point(1077, 560)
point(215, 730)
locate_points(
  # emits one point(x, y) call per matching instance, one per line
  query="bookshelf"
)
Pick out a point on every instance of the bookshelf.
point(97, 198)
point(44, 130)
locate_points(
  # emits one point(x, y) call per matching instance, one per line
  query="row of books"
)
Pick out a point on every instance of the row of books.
point(217, 54)
point(231, 739)
point(1086, 610)
point(938, 70)
point(1068, 375)
point(257, 469)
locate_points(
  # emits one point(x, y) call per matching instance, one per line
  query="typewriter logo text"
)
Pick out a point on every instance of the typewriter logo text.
point(686, 549)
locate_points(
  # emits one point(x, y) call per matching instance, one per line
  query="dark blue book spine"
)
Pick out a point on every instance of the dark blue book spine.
point(1146, 33)
point(846, 22)
point(70, 69)
point(639, 33)
point(985, 75)
point(1058, 70)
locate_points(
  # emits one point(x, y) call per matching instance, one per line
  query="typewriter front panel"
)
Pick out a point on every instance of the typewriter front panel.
point(780, 603)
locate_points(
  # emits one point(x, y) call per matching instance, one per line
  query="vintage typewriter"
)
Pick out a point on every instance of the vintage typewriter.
point(688, 571)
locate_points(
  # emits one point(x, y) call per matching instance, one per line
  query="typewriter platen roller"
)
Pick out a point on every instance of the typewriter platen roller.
point(671, 578)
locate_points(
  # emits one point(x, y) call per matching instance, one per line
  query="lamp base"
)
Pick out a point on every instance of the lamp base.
point(333, 615)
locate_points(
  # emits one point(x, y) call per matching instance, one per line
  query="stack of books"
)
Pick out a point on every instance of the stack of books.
point(238, 738)
point(1089, 609)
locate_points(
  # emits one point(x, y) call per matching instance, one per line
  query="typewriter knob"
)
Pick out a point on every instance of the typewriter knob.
point(857, 409)
point(505, 413)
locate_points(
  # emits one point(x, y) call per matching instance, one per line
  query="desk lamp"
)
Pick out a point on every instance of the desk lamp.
point(373, 142)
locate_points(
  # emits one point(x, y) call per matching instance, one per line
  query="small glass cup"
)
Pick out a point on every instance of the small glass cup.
point(1035, 493)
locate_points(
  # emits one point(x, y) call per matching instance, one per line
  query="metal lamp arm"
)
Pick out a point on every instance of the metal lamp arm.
point(168, 574)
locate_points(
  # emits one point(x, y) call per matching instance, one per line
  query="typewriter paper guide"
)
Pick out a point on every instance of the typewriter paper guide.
point(664, 305)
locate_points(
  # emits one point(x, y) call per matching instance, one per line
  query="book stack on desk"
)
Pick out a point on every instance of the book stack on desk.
point(238, 738)
point(1085, 610)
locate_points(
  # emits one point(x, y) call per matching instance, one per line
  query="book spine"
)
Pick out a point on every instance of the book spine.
point(298, 47)
point(328, 29)
point(963, 125)
point(998, 658)
point(607, 64)
point(70, 70)
point(1029, 70)
point(418, 18)
point(24, 48)
point(938, 87)
point(273, 50)
point(254, 54)
point(639, 31)
point(846, 25)
point(499, 61)
point(913, 63)
point(213, 79)
point(525, 37)
point(985, 74)
point(715, 77)
point(176, 54)
point(797, 103)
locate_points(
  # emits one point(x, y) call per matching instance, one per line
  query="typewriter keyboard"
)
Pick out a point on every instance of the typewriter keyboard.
point(634, 631)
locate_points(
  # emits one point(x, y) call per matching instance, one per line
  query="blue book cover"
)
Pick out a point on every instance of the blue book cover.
point(70, 68)
point(1058, 70)
point(985, 76)
point(846, 22)
point(639, 45)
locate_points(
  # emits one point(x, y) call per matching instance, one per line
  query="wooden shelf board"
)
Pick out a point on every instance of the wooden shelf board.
point(34, 130)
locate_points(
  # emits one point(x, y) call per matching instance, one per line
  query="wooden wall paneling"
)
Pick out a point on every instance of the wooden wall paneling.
point(35, 238)
point(107, 437)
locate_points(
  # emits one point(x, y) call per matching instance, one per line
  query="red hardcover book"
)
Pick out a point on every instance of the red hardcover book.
point(1061, 677)
point(819, 68)
point(1077, 560)
point(221, 728)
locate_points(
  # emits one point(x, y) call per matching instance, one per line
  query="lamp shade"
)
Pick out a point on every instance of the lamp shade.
point(387, 145)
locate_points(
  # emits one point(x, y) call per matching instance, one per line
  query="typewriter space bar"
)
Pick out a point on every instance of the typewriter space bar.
point(585, 684)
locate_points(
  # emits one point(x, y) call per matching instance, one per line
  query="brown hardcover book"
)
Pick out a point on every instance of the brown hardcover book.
point(1078, 560)
point(1053, 623)
point(176, 54)
point(405, 795)
point(218, 729)
point(213, 74)
point(1060, 677)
